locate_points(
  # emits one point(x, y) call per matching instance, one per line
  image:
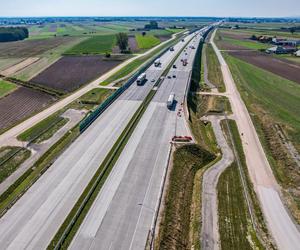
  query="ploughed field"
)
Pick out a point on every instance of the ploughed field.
point(281, 67)
point(20, 104)
point(71, 72)
point(27, 48)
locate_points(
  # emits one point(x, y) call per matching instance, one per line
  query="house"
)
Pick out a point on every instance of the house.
point(280, 50)
point(297, 53)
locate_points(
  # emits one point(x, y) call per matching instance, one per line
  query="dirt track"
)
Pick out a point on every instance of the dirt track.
point(277, 66)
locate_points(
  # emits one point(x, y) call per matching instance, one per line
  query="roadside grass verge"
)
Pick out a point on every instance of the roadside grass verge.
point(94, 97)
point(6, 88)
point(10, 159)
point(147, 41)
point(196, 71)
point(234, 224)
point(44, 129)
point(175, 225)
point(273, 104)
point(93, 45)
point(214, 69)
point(236, 227)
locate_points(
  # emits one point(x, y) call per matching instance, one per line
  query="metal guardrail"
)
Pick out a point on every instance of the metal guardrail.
point(102, 107)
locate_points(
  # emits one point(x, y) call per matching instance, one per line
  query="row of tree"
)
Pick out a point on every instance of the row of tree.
point(9, 34)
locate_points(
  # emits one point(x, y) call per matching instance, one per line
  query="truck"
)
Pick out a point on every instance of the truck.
point(141, 79)
point(157, 62)
point(170, 100)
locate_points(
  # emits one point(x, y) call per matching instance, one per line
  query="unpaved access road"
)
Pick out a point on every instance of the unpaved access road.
point(210, 231)
point(280, 224)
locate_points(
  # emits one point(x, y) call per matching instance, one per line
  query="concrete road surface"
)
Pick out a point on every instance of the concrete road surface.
point(210, 230)
point(35, 218)
point(280, 225)
point(123, 213)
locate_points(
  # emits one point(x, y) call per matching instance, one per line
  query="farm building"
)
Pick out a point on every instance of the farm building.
point(297, 53)
point(285, 42)
point(280, 50)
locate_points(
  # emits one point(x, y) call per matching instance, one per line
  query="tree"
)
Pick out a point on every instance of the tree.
point(292, 30)
point(144, 33)
point(122, 41)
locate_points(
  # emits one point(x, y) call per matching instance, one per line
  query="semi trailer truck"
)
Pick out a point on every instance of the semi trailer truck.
point(157, 62)
point(170, 101)
point(141, 79)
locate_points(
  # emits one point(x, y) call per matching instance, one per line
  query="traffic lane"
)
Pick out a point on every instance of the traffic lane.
point(140, 92)
point(152, 75)
point(139, 188)
point(35, 218)
point(94, 218)
point(176, 85)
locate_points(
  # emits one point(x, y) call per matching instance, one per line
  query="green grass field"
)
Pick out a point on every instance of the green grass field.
point(6, 87)
point(147, 41)
point(94, 45)
point(247, 44)
point(175, 30)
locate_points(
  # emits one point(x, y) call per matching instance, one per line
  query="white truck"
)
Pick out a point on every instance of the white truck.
point(157, 62)
point(141, 79)
point(171, 100)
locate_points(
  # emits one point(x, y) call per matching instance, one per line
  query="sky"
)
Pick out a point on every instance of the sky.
point(223, 8)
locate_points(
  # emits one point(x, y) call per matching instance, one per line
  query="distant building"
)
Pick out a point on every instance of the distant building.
point(280, 50)
point(285, 42)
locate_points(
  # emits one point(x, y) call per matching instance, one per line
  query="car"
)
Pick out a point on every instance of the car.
point(153, 80)
point(169, 77)
point(174, 66)
point(174, 76)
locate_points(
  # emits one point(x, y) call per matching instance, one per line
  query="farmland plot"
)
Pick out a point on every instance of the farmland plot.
point(27, 48)
point(20, 104)
point(71, 72)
